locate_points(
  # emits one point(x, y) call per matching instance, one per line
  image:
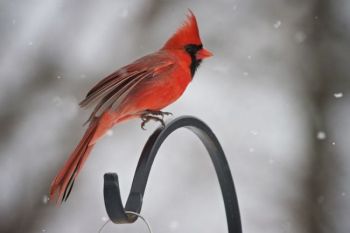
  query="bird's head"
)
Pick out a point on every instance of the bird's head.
point(187, 40)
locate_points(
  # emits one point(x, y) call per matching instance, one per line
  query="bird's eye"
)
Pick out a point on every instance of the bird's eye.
point(192, 49)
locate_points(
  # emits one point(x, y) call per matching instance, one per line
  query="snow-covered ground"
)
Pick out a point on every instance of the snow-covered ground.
point(276, 93)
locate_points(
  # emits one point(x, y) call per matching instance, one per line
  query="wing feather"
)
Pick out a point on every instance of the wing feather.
point(112, 90)
point(103, 88)
point(115, 96)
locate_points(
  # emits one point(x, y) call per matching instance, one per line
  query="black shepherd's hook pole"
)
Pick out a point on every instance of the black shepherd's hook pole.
point(113, 202)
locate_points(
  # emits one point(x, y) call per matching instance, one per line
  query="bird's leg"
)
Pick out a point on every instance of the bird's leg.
point(158, 113)
point(146, 117)
point(155, 115)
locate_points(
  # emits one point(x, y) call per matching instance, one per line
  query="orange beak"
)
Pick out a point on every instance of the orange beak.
point(203, 53)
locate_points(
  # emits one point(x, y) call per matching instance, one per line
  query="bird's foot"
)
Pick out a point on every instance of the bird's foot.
point(153, 115)
point(158, 113)
point(147, 118)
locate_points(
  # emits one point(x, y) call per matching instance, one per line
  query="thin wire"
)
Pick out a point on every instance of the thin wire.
point(130, 212)
point(143, 219)
point(103, 226)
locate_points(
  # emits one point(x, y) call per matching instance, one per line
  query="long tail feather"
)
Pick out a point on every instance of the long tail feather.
point(64, 180)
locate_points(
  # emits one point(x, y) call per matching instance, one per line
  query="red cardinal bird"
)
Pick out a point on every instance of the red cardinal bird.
point(140, 89)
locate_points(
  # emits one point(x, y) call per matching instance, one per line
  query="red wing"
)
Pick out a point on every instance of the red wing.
point(110, 91)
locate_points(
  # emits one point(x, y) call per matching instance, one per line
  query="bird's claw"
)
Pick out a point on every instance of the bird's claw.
point(152, 115)
point(147, 118)
point(158, 113)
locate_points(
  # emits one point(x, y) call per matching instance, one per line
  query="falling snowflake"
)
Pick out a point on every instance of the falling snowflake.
point(251, 150)
point(45, 199)
point(277, 24)
point(338, 95)
point(245, 73)
point(321, 135)
point(104, 219)
point(109, 132)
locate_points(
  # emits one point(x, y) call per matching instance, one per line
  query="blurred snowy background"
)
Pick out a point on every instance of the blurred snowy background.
point(276, 93)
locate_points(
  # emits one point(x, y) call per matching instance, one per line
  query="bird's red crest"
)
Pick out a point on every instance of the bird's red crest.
point(188, 33)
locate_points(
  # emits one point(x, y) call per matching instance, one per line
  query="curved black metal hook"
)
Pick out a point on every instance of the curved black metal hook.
point(113, 202)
